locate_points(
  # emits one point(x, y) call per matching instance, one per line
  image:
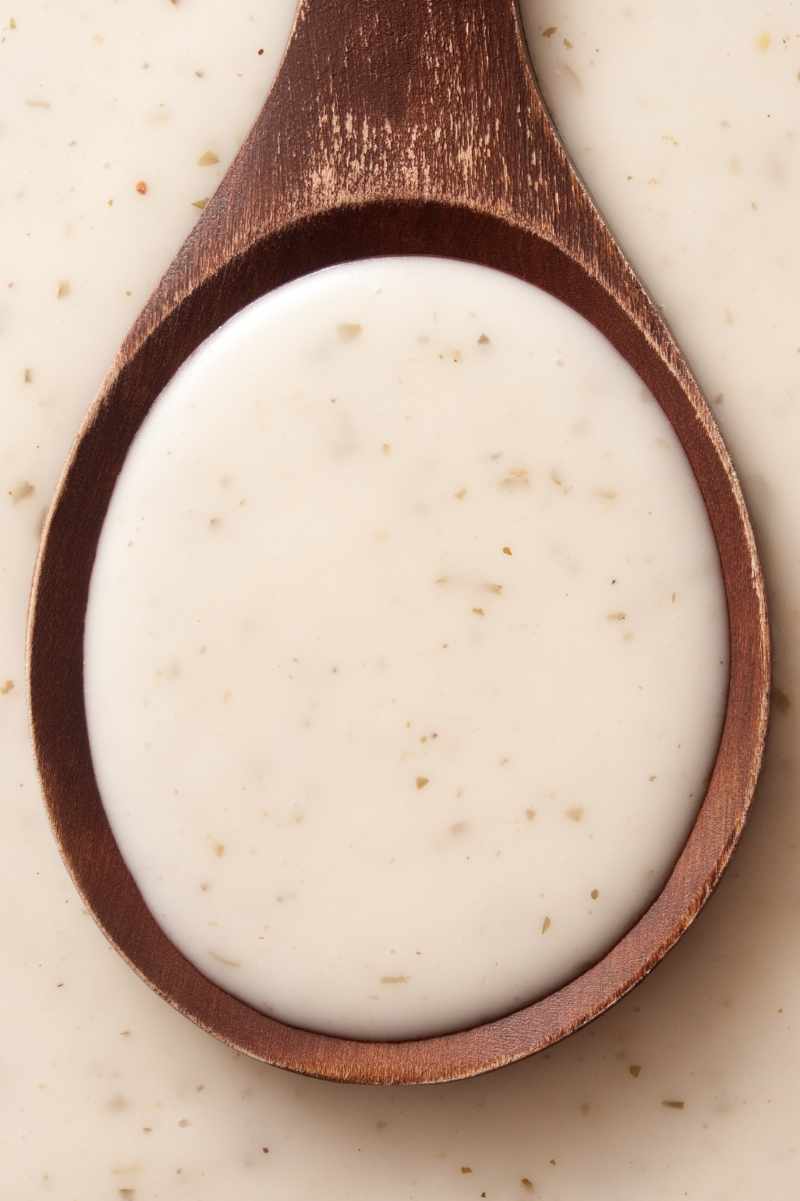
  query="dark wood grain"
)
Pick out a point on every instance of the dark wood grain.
point(394, 127)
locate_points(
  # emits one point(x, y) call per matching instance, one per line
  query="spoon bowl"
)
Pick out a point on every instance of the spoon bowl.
point(394, 127)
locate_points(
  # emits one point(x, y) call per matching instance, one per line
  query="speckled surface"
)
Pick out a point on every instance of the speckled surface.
point(686, 128)
point(421, 630)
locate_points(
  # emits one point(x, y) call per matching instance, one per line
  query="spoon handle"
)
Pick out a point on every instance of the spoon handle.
point(423, 99)
point(386, 102)
point(398, 100)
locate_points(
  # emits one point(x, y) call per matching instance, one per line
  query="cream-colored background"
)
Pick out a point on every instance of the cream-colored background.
point(684, 120)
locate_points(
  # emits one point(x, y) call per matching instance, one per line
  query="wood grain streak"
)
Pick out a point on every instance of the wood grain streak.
point(394, 127)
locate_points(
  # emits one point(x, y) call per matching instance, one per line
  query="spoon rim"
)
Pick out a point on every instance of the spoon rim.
point(58, 609)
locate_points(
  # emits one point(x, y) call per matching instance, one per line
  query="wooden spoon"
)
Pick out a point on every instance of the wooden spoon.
point(394, 127)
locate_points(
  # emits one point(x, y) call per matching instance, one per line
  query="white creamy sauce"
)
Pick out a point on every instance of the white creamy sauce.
point(406, 649)
point(686, 124)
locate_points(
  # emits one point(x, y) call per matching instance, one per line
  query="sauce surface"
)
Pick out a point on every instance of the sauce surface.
point(406, 650)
